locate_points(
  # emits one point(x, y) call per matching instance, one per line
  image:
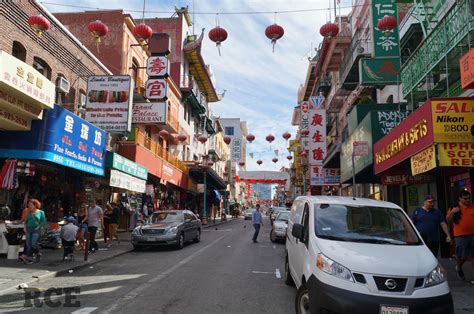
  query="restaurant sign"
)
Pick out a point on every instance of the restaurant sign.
point(456, 154)
point(423, 161)
point(24, 93)
point(149, 112)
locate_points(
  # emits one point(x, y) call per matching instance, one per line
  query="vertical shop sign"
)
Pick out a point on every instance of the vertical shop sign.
point(304, 124)
point(466, 65)
point(156, 88)
point(109, 102)
point(385, 45)
point(157, 66)
point(236, 149)
point(317, 145)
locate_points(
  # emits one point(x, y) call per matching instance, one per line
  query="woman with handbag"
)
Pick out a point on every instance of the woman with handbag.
point(34, 223)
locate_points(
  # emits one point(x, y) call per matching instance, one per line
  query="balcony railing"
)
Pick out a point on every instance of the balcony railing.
point(359, 47)
point(141, 139)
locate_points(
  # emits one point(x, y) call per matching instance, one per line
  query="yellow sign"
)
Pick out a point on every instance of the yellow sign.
point(456, 154)
point(453, 120)
point(424, 161)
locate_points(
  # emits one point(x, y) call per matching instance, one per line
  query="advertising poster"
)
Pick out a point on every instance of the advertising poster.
point(109, 102)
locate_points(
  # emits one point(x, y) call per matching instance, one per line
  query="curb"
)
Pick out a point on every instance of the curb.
point(57, 273)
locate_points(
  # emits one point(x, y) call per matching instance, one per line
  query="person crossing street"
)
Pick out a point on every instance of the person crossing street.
point(257, 222)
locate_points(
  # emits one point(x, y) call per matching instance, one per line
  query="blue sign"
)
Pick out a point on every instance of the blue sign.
point(61, 137)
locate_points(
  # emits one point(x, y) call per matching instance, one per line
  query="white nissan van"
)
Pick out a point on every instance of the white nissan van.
point(356, 255)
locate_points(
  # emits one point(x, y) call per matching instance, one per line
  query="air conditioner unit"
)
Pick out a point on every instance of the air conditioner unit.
point(63, 85)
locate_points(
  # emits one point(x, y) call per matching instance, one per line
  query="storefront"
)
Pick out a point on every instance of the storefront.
point(127, 181)
point(61, 156)
point(433, 149)
point(367, 124)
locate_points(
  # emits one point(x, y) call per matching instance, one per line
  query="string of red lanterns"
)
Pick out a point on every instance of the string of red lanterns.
point(182, 137)
point(387, 24)
point(202, 139)
point(270, 138)
point(218, 35)
point(286, 136)
point(259, 162)
point(275, 160)
point(143, 32)
point(250, 138)
point(39, 24)
point(97, 30)
point(227, 140)
point(274, 32)
point(329, 30)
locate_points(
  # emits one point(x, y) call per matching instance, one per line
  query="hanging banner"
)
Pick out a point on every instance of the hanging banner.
point(424, 161)
point(149, 112)
point(109, 102)
point(456, 154)
point(379, 71)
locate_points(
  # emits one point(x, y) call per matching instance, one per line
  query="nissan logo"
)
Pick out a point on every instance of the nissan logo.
point(390, 284)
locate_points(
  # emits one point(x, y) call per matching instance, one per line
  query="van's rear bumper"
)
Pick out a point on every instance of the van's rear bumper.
point(330, 300)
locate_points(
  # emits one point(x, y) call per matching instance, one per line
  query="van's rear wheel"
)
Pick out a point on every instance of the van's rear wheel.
point(288, 279)
point(302, 300)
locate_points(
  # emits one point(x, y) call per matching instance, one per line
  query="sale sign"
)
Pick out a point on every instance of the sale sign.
point(456, 154)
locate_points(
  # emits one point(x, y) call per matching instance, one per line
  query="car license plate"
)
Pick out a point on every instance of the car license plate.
point(390, 309)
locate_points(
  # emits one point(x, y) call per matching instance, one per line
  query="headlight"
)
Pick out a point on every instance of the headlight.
point(436, 276)
point(331, 267)
point(136, 231)
point(172, 230)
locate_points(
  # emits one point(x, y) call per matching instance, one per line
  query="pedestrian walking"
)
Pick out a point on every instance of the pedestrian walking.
point(82, 225)
point(68, 238)
point(427, 220)
point(107, 213)
point(113, 224)
point(462, 218)
point(34, 224)
point(257, 222)
point(95, 218)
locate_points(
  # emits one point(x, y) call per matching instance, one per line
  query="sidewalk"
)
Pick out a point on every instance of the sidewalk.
point(462, 291)
point(13, 272)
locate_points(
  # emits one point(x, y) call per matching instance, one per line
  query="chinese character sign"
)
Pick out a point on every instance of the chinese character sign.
point(317, 136)
point(157, 66)
point(236, 149)
point(156, 89)
point(385, 45)
point(304, 123)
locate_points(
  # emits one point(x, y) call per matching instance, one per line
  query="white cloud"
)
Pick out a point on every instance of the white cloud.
point(261, 86)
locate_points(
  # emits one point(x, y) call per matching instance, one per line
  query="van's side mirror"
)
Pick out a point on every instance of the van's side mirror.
point(298, 231)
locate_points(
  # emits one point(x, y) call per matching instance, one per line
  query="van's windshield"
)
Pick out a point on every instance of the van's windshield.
point(364, 224)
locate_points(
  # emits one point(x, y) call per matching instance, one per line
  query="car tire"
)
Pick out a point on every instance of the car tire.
point(302, 300)
point(198, 236)
point(272, 236)
point(180, 244)
point(288, 279)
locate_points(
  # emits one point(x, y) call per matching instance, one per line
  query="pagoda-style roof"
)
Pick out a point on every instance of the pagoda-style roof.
point(198, 68)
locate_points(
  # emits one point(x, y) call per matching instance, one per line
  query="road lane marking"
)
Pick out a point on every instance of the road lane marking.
point(277, 273)
point(85, 310)
point(262, 272)
point(147, 285)
point(221, 230)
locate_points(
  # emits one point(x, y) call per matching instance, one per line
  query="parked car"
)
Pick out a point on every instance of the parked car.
point(280, 225)
point(356, 255)
point(275, 211)
point(170, 227)
point(248, 213)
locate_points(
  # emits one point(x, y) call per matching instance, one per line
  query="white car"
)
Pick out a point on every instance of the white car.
point(356, 255)
point(248, 213)
point(280, 225)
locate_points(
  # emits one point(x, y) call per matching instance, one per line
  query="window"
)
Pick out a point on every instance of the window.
point(41, 66)
point(229, 130)
point(19, 51)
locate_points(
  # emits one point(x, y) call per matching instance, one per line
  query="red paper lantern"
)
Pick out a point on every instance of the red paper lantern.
point(39, 24)
point(275, 160)
point(250, 138)
point(218, 35)
point(143, 32)
point(202, 139)
point(259, 162)
point(270, 138)
point(286, 135)
point(274, 32)
point(305, 132)
point(97, 30)
point(387, 24)
point(329, 30)
point(289, 157)
point(241, 163)
point(227, 140)
point(182, 137)
point(164, 133)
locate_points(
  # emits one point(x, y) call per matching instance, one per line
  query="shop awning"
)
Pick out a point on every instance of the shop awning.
point(214, 182)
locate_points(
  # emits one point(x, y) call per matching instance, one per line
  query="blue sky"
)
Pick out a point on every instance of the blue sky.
point(261, 86)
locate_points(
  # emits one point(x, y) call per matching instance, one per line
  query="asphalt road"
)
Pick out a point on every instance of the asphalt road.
point(224, 273)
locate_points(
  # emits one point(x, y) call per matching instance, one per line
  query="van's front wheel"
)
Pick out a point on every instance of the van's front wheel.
point(302, 300)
